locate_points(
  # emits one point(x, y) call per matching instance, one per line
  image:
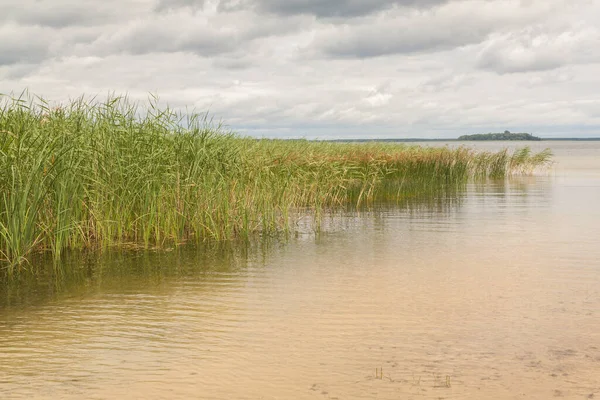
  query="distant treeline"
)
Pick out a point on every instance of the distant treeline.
point(500, 136)
point(387, 140)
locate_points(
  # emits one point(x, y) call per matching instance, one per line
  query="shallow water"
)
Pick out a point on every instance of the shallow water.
point(493, 295)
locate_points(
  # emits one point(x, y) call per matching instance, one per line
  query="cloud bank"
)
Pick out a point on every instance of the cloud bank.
point(321, 69)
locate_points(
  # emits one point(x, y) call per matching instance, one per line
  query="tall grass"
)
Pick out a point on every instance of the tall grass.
point(108, 173)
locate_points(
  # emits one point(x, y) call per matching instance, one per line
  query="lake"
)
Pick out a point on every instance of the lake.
point(491, 294)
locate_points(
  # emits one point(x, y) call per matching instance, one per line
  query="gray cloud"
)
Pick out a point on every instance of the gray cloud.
point(233, 63)
point(19, 44)
point(14, 53)
point(61, 13)
point(16, 71)
point(511, 60)
point(337, 8)
point(163, 5)
point(58, 18)
point(165, 36)
point(205, 34)
point(365, 42)
point(318, 8)
point(450, 80)
point(447, 27)
point(535, 49)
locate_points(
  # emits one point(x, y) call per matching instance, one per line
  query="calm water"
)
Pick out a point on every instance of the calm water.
point(493, 295)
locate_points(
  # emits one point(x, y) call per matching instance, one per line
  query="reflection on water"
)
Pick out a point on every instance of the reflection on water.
point(494, 294)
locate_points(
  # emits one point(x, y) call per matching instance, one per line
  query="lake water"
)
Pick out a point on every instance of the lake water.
point(494, 294)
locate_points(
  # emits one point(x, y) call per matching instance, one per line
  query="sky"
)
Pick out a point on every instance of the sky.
point(320, 69)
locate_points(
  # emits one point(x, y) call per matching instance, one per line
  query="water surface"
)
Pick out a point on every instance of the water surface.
point(494, 294)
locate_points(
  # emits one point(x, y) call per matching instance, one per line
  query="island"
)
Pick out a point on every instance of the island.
point(500, 136)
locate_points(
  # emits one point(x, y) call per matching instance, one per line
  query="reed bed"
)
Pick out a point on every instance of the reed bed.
point(113, 173)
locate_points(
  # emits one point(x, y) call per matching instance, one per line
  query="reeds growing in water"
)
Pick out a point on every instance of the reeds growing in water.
point(109, 173)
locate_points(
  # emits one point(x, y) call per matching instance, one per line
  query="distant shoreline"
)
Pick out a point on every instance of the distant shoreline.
point(409, 140)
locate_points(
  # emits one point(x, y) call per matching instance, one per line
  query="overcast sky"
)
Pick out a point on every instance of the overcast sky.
point(321, 68)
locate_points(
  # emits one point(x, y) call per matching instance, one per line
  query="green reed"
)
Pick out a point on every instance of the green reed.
point(99, 174)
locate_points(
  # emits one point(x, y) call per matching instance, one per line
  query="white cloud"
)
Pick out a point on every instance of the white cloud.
point(68, 13)
point(416, 31)
point(532, 49)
